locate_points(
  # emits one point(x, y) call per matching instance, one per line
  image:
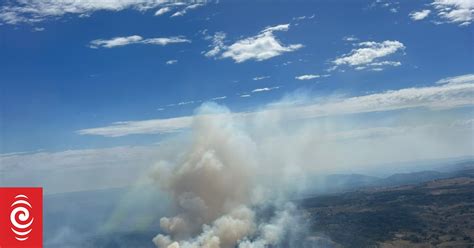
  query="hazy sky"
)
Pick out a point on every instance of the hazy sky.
point(86, 83)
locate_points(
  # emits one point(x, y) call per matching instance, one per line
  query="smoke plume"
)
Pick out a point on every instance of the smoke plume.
point(232, 182)
point(218, 189)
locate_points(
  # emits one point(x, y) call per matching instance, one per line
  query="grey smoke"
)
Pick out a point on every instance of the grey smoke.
point(216, 187)
point(236, 165)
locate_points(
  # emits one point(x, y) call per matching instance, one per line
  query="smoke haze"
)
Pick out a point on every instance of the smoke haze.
point(236, 166)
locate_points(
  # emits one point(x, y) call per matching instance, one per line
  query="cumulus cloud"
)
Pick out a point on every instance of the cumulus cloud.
point(440, 96)
point(136, 39)
point(172, 62)
point(455, 11)
point(368, 53)
point(420, 15)
point(260, 47)
point(307, 77)
point(31, 11)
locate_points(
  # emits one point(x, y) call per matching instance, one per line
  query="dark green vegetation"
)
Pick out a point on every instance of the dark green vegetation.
point(437, 213)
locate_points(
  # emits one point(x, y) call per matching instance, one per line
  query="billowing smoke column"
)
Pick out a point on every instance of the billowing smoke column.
point(219, 190)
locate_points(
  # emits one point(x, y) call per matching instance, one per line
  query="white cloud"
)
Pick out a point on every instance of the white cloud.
point(217, 44)
point(77, 170)
point(186, 9)
point(245, 95)
point(166, 41)
point(463, 79)
point(260, 78)
point(441, 96)
point(300, 18)
point(307, 77)
point(218, 98)
point(392, 6)
point(378, 66)
point(117, 41)
point(368, 52)
point(32, 11)
point(38, 29)
point(382, 63)
point(162, 11)
point(350, 38)
point(136, 39)
point(140, 127)
point(420, 15)
point(260, 47)
point(455, 11)
point(265, 89)
point(184, 103)
point(171, 62)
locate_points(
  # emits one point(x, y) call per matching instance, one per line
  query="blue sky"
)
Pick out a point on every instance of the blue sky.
point(70, 67)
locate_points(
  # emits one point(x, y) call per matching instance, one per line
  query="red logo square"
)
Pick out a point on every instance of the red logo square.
point(21, 217)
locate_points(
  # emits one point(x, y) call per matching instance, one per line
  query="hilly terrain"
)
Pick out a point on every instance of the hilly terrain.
point(436, 213)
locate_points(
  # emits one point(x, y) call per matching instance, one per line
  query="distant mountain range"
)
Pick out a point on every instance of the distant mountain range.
point(338, 183)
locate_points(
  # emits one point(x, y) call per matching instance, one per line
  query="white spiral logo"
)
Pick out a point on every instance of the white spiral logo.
point(20, 217)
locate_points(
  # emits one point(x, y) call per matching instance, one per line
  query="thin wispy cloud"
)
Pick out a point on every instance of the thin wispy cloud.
point(350, 38)
point(391, 6)
point(218, 98)
point(172, 62)
point(260, 47)
point(462, 79)
point(186, 9)
point(136, 39)
point(265, 89)
point(260, 78)
point(443, 96)
point(189, 102)
point(57, 171)
point(38, 29)
point(184, 103)
point(307, 77)
point(33, 11)
point(299, 18)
